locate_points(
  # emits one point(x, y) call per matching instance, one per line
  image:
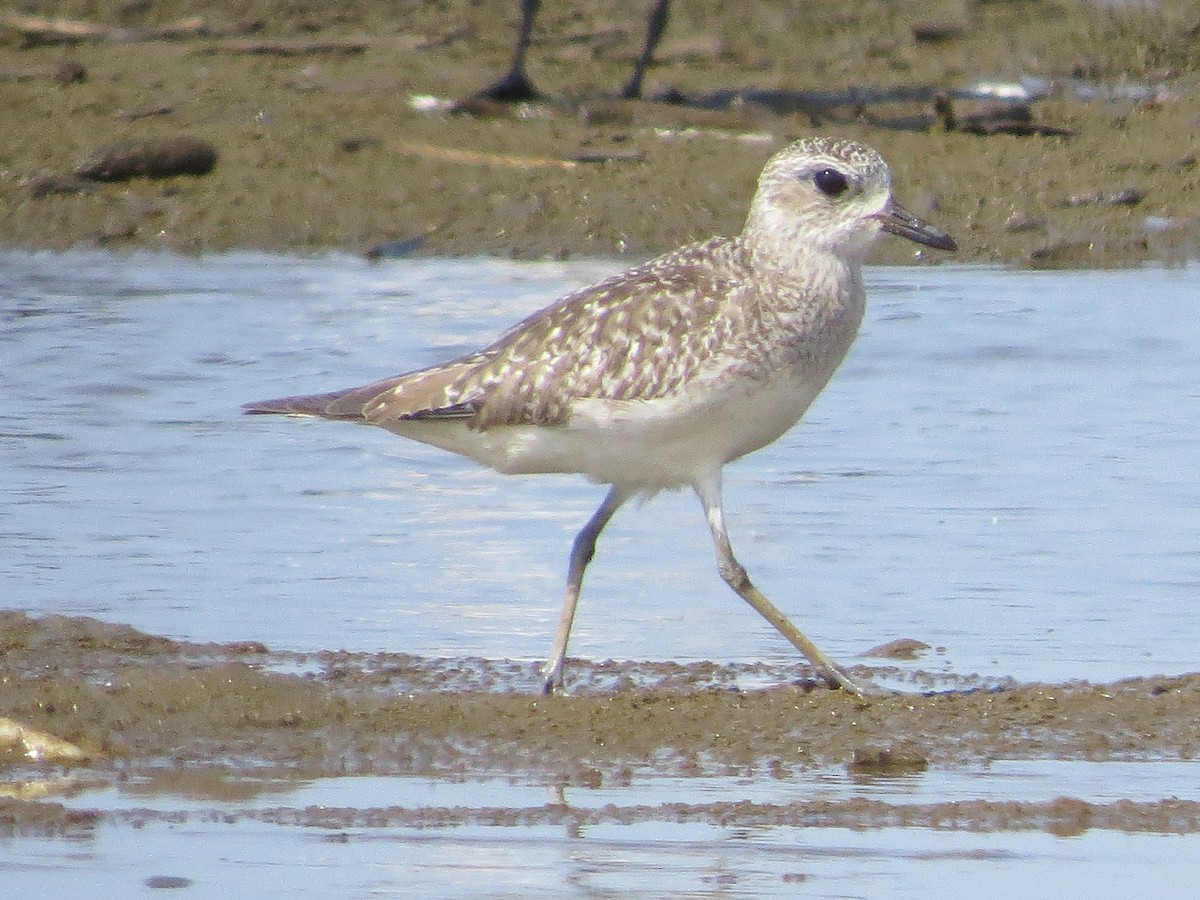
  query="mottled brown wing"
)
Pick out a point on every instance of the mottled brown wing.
point(637, 336)
point(412, 395)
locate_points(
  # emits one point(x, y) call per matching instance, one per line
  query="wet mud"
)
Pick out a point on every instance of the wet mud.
point(215, 720)
point(332, 127)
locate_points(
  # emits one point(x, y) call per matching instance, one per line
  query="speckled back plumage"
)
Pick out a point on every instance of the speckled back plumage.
point(642, 335)
point(636, 336)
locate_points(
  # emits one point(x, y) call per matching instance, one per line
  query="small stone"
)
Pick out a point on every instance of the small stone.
point(901, 648)
point(1019, 222)
point(150, 159)
point(167, 882)
point(70, 71)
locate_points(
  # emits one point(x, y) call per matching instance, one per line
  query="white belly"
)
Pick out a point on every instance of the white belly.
point(646, 446)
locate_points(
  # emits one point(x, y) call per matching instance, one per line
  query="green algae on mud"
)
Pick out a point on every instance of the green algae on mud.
point(320, 145)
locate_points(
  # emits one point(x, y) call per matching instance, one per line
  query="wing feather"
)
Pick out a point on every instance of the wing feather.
point(640, 335)
point(637, 336)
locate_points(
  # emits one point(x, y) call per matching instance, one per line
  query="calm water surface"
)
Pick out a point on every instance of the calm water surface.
point(1004, 468)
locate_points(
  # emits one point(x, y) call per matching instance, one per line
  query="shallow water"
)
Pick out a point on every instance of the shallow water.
point(289, 839)
point(1005, 468)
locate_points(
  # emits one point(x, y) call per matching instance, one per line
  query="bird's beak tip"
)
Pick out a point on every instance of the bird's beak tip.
point(899, 221)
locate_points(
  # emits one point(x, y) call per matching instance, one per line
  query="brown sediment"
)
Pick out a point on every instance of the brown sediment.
point(282, 93)
point(141, 706)
point(1063, 816)
point(215, 720)
point(125, 696)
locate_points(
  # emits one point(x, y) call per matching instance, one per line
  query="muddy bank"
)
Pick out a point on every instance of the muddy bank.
point(329, 128)
point(137, 705)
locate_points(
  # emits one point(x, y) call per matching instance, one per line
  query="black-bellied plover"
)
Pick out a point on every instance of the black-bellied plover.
point(657, 377)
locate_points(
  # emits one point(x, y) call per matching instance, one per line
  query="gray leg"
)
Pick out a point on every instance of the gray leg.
point(735, 576)
point(516, 85)
point(656, 24)
point(581, 554)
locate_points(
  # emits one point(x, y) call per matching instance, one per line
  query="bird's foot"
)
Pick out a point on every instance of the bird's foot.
point(515, 87)
point(838, 680)
point(552, 680)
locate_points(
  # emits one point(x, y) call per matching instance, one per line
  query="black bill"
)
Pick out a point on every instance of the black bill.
point(898, 220)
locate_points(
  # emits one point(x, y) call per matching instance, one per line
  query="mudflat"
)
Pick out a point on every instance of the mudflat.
point(1040, 133)
point(131, 705)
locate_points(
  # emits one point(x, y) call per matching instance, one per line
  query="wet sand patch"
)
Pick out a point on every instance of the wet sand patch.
point(145, 706)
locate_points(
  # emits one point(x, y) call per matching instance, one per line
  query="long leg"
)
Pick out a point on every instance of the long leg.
point(581, 554)
point(516, 84)
point(735, 576)
point(656, 24)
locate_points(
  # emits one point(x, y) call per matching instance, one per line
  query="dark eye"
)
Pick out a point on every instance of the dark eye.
point(831, 182)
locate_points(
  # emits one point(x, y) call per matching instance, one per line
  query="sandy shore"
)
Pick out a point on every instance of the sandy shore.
point(330, 128)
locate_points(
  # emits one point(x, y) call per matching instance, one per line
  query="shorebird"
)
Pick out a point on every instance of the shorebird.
point(655, 378)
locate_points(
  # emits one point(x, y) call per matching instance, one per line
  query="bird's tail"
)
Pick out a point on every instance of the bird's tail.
point(346, 405)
